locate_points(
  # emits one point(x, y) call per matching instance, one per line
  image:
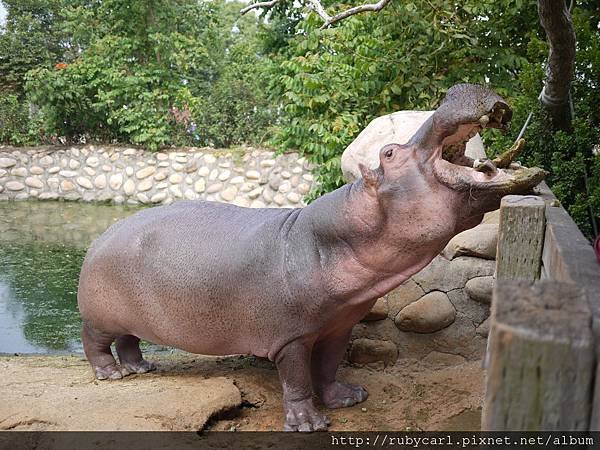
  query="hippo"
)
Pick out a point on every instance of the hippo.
point(289, 284)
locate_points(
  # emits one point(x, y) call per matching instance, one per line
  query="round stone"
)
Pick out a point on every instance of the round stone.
point(308, 177)
point(19, 172)
point(159, 197)
point(162, 185)
point(116, 181)
point(53, 183)
point(190, 195)
point(160, 175)
point(100, 181)
point(181, 159)
point(92, 161)
point(89, 171)
point(209, 159)
point(53, 170)
point(176, 191)
point(106, 168)
point(129, 152)
point(164, 164)
point(46, 161)
point(68, 173)
point(36, 170)
point(128, 171)
point(293, 197)
point(267, 195)
point(178, 167)
point(224, 175)
point(189, 180)
point(241, 201)
point(203, 171)
point(66, 186)
point(200, 186)
point(129, 187)
point(297, 170)
point(213, 175)
point(228, 194)
point(162, 156)
point(267, 163)
point(430, 313)
point(279, 199)
point(145, 185)
point(237, 180)
point(145, 172)
point(15, 186)
point(176, 178)
point(5, 163)
point(214, 188)
point(48, 196)
point(257, 204)
point(33, 182)
point(74, 164)
point(143, 198)
point(253, 175)
point(285, 187)
point(480, 289)
point(225, 165)
point(3, 172)
point(285, 174)
point(255, 193)
point(303, 188)
point(84, 183)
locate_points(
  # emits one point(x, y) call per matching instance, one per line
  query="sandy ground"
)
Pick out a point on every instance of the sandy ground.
point(192, 393)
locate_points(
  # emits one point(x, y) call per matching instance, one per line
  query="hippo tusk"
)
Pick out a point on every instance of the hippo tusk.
point(504, 160)
point(484, 120)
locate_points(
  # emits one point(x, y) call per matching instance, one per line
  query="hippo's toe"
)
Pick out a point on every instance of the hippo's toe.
point(110, 372)
point(303, 416)
point(342, 395)
point(142, 366)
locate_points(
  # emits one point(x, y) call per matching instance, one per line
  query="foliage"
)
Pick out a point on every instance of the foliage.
point(569, 157)
point(16, 125)
point(334, 82)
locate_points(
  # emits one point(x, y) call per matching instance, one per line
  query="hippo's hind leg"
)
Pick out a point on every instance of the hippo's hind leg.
point(326, 358)
point(96, 345)
point(130, 355)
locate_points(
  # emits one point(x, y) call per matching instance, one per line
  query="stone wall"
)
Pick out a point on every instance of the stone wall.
point(248, 177)
point(439, 314)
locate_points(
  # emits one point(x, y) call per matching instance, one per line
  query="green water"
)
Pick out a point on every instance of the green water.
point(42, 246)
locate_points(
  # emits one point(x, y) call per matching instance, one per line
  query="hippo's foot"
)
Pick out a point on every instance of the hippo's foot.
point(110, 372)
point(301, 415)
point(342, 395)
point(143, 366)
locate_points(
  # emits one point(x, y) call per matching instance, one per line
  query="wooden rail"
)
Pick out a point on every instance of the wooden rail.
point(543, 370)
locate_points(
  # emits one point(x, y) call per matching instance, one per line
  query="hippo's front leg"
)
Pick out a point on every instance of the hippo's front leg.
point(326, 358)
point(293, 364)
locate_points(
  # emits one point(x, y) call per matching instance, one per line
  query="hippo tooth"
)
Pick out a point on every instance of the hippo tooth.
point(484, 120)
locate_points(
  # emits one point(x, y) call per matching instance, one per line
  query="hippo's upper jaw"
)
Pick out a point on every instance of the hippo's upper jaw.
point(465, 111)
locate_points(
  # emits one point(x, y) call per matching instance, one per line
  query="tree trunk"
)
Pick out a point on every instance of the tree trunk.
point(560, 67)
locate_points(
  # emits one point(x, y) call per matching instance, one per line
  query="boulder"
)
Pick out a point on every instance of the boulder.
point(429, 314)
point(379, 311)
point(405, 294)
point(398, 128)
point(444, 275)
point(480, 241)
point(480, 289)
point(365, 351)
point(484, 329)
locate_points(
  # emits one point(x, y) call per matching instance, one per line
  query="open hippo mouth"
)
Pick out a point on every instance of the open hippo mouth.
point(466, 110)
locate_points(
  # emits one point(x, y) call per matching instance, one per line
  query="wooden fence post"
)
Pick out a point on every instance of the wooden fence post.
point(520, 238)
point(541, 358)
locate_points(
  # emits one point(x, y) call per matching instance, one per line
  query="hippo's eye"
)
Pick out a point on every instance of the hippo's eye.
point(389, 152)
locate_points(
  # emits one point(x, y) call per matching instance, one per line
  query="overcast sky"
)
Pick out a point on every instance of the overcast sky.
point(2, 13)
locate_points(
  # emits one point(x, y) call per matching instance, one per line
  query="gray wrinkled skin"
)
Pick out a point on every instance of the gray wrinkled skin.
point(288, 284)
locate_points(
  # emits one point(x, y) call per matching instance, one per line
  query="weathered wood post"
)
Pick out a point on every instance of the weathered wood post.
point(520, 238)
point(541, 358)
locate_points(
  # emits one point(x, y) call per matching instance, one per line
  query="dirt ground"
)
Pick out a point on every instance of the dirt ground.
point(190, 392)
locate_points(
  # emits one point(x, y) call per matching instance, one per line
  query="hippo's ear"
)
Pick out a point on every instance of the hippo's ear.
point(370, 177)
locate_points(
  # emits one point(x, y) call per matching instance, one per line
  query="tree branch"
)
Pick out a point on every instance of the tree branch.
point(355, 10)
point(257, 5)
point(556, 20)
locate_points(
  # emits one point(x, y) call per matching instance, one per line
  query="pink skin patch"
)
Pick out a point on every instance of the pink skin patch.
point(597, 248)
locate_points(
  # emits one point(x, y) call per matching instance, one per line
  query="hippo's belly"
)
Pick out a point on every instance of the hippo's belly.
point(204, 278)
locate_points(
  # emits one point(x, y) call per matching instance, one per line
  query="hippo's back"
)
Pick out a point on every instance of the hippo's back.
point(188, 275)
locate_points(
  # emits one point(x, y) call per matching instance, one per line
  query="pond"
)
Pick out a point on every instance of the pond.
point(42, 246)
